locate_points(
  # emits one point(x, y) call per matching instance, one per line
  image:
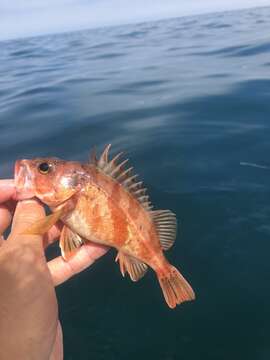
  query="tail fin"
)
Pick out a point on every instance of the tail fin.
point(174, 286)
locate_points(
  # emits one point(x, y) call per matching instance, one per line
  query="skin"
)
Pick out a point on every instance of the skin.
point(29, 324)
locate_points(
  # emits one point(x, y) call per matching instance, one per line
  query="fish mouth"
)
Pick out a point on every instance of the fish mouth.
point(23, 181)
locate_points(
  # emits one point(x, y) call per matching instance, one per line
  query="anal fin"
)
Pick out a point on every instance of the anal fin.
point(69, 242)
point(135, 268)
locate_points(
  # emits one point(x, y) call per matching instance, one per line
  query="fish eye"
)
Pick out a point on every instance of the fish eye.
point(44, 168)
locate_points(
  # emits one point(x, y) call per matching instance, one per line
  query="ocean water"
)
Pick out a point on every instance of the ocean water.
point(188, 100)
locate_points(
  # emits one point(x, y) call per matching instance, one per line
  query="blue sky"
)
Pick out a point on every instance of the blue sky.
point(20, 18)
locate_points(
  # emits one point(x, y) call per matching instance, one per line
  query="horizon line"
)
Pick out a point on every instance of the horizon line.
point(128, 23)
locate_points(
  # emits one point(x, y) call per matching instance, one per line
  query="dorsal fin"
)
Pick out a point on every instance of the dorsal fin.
point(93, 156)
point(166, 224)
point(117, 170)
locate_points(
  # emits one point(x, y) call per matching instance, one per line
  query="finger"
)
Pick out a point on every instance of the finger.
point(6, 213)
point(5, 218)
point(53, 234)
point(62, 270)
point(26, 214)
point(57, 352)
point(7, 190)
point(1, 240)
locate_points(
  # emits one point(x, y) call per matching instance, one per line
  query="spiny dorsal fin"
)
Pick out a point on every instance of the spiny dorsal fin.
point(103, 160)
point(166, 224)
point(118, 171)
point(134, 267)
point(93, 156)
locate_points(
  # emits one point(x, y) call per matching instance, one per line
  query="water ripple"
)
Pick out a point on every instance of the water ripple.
point(254, 50)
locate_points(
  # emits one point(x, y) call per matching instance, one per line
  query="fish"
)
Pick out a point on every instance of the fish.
point(103, 201)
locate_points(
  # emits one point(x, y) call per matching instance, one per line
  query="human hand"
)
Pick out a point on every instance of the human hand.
point(29, 325)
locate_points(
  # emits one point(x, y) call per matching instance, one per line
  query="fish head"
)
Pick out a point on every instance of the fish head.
point(53, 181)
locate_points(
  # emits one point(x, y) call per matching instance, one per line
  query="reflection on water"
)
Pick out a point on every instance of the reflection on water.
point(189, 101)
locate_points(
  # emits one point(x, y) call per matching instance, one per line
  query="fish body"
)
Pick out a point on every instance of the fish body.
point(108, 214)
point(104, 203)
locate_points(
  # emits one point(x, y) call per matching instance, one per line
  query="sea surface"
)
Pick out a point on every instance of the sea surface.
point(188, 100)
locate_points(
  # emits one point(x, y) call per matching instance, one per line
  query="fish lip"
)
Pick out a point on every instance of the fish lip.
point(23, 181)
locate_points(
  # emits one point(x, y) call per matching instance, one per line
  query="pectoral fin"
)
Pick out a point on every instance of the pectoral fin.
point(69, 242)
point(42, 226)
point(134, 267)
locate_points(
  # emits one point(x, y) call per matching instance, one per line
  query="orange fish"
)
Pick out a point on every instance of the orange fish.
point(102, 201)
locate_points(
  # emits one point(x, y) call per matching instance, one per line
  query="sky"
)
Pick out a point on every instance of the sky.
point(22, 18)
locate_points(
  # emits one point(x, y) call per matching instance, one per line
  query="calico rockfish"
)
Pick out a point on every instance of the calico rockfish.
point(102, 202)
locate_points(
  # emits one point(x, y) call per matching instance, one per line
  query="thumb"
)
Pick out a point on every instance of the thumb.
point(26, 214)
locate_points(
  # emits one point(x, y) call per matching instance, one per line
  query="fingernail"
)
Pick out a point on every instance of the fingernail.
point(28, 202)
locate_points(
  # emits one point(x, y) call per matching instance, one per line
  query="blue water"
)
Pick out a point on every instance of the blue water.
point(188, 99)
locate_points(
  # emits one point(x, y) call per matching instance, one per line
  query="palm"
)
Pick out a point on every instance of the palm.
point(28, 282)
